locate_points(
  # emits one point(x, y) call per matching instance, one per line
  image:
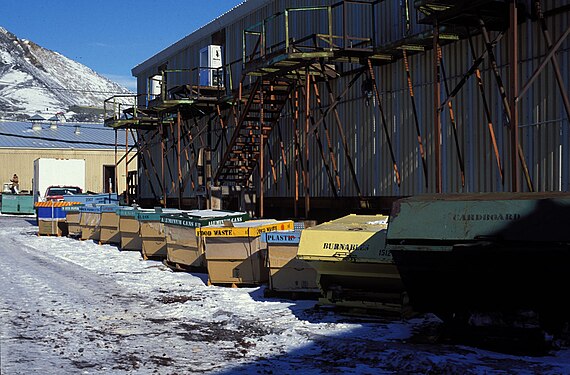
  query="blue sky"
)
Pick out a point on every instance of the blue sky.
point(109, 36)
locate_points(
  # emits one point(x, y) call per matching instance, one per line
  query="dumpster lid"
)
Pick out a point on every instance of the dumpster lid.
point(281, 237)
point(360, 238)
point(154, 214)
point(202, 218)
point(252, 228)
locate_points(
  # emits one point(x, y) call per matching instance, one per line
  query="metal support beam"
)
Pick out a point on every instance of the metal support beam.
point(555, 65)
point(495, 67)
point(436, 112)
point(334, 102)
point(283, 154)
point(166, 151)
point(516, 150)
point(334, 188)
point(189, 144)
point(126, 167)
point(297, 162)
point(415, 113)
point(144, 147)
point(475, 67)
point(307, 126)
point(384, 122)
point(116, 159)
point(261, 152)
point(550, 57)
point(453, 121)
point(488, 116)
point(514, 90)
point(162, 176)
point(178, 141)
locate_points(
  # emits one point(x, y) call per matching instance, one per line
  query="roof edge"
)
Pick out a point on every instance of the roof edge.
point(240, 10)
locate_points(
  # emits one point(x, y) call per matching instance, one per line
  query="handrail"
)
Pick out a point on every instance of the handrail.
point(259, 31)
point(118, 107)
point(214, 79)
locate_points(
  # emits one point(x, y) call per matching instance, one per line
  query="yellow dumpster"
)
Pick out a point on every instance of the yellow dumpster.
point(354, 268)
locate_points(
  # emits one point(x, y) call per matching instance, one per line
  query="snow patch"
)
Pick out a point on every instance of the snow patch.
point(60, 81)
point(79, 307)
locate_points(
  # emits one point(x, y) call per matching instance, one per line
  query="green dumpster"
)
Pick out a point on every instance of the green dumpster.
point(17, 204)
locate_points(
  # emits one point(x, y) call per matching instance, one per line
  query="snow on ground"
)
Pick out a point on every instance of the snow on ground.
point(68, 306)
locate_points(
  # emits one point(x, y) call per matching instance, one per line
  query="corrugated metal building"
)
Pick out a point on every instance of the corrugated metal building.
point(476, 148)
point(23, 142)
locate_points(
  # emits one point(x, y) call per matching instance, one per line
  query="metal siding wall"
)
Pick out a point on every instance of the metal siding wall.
point(544, 124)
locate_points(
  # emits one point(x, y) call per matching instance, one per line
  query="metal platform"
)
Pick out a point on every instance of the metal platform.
point(127, 112)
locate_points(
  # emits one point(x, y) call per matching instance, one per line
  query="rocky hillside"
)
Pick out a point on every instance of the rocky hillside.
point(36, 80)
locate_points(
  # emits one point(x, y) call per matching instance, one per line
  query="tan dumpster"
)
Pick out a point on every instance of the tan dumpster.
point(72, 217)
point(110, 233)
point(89, 222)
point(287, 274)
point(235, 254)
point(130, 228)
point(153, 240)
point(185, 250)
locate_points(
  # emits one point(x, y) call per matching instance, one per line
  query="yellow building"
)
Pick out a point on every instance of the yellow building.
point(23, 142)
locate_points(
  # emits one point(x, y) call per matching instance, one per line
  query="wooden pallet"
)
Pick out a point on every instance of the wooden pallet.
point(49, 234)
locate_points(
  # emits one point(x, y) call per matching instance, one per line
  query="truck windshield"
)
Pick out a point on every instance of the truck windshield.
point(63, 191)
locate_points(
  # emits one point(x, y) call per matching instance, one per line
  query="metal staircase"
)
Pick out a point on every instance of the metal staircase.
point(255, 121)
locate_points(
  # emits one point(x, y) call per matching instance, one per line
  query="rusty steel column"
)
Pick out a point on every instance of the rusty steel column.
point(296, 151)
point(336, 177)
point(384, 123)
point(178, 160)
point(554, 60)
point(488, 115)
point(261, 152)
point(116, 161)
point(307, 126)
point(514, 88)
point(126, 167)
point(162, 177)
point(436, 111)
point(416, 118)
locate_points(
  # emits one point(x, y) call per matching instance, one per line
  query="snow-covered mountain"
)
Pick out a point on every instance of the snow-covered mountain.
point(36, 80)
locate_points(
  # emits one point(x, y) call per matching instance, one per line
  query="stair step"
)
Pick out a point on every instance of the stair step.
point(266, 110)
point(272, 91)
point(257, 119)
point(270, 101)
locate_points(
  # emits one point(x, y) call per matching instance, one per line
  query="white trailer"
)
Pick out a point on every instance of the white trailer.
point(57, 172)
